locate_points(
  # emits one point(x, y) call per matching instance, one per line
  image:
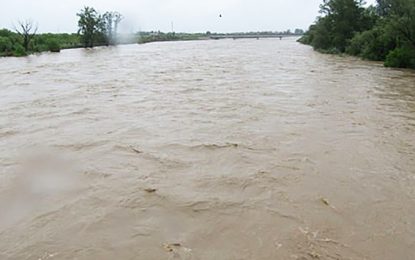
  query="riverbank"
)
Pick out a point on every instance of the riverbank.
point(384, 32)
point(11, 42)
point(161, 37)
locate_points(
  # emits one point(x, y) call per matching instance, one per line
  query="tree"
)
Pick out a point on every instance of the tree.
point(108, 21)
point(383, 7)
point(346, 17)
point(95, 28)
point(402, 20)
point(111, 21)
point(117, 19)
point(5, 45)
point(90, 26)
point(383, 32)
point(27, 31)
point(53, 45)
point(340, 21)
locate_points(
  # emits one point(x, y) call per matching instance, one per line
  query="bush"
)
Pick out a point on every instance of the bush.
point(373, 44)
point(305, 39)
point(54, 46)
point(403, 57)
point(6, 45)
point(11, 43)
point(19, 51)
point(384, 33)
point(40, 48)
point(6, 33)
point(322, 38)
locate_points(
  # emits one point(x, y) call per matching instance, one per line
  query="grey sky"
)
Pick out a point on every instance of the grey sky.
point(187, 15)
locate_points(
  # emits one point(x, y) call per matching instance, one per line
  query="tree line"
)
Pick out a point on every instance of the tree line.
point(21, 44)
point(95, 29)
point(384, 32)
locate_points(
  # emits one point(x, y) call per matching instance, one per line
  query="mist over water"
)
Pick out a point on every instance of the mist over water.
point(246, 149)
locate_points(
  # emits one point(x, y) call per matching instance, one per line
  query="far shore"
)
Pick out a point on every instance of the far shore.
point(150, 37)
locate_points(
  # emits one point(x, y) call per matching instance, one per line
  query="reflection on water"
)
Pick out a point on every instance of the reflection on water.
point(246, 149)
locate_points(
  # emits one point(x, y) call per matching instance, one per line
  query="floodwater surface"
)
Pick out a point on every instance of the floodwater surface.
point(245, 149)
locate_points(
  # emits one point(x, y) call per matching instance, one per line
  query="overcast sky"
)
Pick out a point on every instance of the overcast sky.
point(186, 15)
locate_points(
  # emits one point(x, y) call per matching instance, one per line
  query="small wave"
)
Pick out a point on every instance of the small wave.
point(217, 146)
point(81, 146)
point(7, 133)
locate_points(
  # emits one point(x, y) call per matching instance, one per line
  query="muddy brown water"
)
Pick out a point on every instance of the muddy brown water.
point(246, 149)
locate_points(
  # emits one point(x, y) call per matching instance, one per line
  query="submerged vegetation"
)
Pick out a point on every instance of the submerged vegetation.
point(385, 32)
point(11, 43)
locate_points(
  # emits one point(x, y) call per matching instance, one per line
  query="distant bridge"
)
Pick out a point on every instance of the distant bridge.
point(247, 36)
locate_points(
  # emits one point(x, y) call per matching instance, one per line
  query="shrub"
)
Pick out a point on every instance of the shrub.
point(18, 50)
point(6, 45)
point(54, 46)
point(403, 57)
point(6, 33)
point(373, 44)
point(305, 39)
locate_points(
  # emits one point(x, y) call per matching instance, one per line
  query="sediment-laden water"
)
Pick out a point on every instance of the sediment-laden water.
point(246, 149)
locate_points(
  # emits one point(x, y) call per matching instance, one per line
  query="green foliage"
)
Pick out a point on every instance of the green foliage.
point(10, 44)
point(383, 7)
point(402, 57)
point(384, 33)
point(92, 31)
point(374, 44)
point(19, 50)
point(308, 36)
point(6, 33)
point(90, 26)
point(401, 19)
point(322, 36)
point(340, 21)
point(54, 46)
point(6, 46)
point(40, 42)
point(96, 29)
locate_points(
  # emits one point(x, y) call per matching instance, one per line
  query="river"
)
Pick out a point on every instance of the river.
point(229, 149)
